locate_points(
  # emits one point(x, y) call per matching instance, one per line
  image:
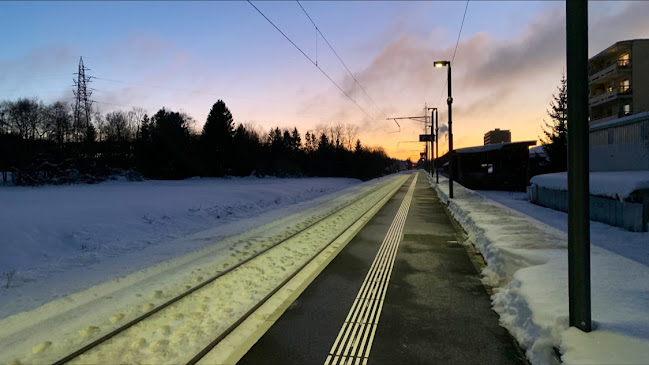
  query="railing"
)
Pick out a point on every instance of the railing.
point(608, 69)
point(602, 98)
point(609, 95)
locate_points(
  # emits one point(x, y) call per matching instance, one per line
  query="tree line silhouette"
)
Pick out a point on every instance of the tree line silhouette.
point(42, 144)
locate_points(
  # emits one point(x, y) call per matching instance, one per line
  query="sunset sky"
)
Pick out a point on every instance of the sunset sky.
point(186, 55)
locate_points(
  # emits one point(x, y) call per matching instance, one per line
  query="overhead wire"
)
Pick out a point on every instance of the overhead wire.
point(313, 62)
point(455, 51)
point(339, 58)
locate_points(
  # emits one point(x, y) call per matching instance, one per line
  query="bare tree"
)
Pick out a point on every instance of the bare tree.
point(24, 118)
point(58, 122)
point(116, 127)
point(350, 135)
point(135, 117)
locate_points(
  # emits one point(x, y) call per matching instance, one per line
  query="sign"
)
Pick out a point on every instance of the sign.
point(426, 138)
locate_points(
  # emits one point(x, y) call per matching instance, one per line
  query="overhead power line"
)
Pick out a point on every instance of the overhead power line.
point(340, 59)
point(313, 62)
point(454, 51)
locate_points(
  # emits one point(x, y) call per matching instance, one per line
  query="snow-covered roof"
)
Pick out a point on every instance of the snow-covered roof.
point(493, 147)
point(620, 121)
point(538, 150)
point(613, 184)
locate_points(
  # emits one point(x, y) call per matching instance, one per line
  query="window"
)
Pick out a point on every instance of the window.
point(627, 109)
point(610, 87)
point(623, 60)
point(624, 86)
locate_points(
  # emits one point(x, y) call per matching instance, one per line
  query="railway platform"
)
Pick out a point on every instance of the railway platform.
point(403, 291)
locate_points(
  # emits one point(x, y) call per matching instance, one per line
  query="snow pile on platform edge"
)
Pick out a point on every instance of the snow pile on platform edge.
point(527, 266)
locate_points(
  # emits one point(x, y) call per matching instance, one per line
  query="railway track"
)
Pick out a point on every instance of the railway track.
point(188, 326)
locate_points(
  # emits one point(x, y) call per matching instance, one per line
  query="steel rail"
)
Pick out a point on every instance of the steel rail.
point(166, 304)
point(233, 326)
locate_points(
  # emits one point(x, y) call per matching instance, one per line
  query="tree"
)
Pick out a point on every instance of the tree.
point(168, 155)
point(59, 122)
point(217, 139)
point(24, 117)
point(359, 147)
point(117, 128)
point(247, 148)
point(555, 144)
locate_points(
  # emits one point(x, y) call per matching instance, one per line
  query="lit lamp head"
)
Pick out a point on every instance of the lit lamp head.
point(439, 64)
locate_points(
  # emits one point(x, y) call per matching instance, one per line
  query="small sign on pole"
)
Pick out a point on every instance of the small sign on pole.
point(426, 138)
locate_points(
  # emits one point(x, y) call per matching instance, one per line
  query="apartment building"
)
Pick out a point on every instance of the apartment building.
point(497, 136)
point(619, 81)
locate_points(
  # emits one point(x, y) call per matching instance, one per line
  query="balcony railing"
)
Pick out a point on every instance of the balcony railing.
point(610, 95)
point(608, 69)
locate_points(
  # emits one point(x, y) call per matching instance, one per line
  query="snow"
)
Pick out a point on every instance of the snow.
point(525, 248)
point(613, 184)
point(48, 332)
point(57, 240)
point(538, 151)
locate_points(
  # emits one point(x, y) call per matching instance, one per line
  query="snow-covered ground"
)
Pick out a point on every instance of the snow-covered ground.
point(57, 240)
point(52, 330)
point(525, 247)
point(613, 184)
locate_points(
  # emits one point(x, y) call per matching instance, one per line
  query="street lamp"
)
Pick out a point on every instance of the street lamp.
point(449, 101)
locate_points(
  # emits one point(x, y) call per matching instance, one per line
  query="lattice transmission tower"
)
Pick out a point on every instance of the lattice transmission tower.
point(83, 104)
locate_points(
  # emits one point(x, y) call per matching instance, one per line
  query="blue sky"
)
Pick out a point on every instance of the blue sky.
point(185, 55)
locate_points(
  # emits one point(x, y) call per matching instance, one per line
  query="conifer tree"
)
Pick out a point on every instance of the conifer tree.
point(555, 144)
point(217, 137)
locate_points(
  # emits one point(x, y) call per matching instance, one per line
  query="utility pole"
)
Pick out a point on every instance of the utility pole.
point(83, 104)
point(419, 119)
point(579, 302)
point(433, 117)
point(436, 146)
point(449, 101)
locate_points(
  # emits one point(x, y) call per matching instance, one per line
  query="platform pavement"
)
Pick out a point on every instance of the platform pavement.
point(435, 311)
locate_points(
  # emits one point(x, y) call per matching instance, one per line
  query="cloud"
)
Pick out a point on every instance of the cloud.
point(493, 80)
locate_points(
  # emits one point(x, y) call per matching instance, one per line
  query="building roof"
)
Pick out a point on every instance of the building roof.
point(495, 146)
point(620, 121)
point(610, 48)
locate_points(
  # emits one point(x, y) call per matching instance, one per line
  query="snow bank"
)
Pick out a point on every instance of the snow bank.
point(527, 265)
point(58, 240)
point(613, 184)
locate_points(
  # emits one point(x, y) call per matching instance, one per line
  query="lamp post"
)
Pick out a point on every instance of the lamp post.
point(449, 101)
point(579, 294)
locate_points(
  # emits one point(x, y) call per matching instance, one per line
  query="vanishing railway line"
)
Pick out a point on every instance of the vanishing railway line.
point(186, 327)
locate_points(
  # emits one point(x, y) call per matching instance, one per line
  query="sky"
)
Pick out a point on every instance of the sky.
point(186, 55)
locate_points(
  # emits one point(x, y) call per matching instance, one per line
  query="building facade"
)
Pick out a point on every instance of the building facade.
point(497, 136)
point(618, 80)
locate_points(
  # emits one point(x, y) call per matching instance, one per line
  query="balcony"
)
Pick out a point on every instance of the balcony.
point(610, 69)
point(610, 95)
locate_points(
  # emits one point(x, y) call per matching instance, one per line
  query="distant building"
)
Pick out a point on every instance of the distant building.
point(497, 136)
point(497, 166)
point(618, 79)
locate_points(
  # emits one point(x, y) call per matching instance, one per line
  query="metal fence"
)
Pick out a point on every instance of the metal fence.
point(620, 145)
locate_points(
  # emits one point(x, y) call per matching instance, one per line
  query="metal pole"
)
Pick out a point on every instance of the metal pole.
point(449, 101)
point(434, 161)
point(578, 178)
point(436, 146)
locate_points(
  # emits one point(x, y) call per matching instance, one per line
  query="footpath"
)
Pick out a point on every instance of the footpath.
point(404, 290)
